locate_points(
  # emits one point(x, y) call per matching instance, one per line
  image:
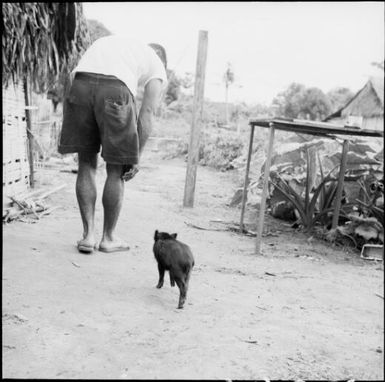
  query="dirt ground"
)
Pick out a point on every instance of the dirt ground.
point(302, 309)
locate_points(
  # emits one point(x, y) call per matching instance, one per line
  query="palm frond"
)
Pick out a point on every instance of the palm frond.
point(41, 40)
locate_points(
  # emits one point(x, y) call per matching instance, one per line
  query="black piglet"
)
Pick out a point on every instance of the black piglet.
point(175, 257)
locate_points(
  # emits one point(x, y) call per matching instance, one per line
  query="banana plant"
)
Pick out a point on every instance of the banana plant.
point(310, 212)
point(369, 205)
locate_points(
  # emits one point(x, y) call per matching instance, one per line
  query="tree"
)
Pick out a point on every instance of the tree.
point(175, 83)
point(379, 65)
point(187, 81)
point(339, 97)
point(228, 79)
point(297, 101)
point(173, 87)
point(314, 104)
point(97, 30)
point(288, 102)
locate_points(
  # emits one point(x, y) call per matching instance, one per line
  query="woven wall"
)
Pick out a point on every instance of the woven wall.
point(15, 144)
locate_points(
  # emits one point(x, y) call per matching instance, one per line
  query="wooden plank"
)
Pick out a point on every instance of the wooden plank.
point(246, 183)
point(264, 191)
point(315, 128)
point(340, 185)
point(193, 152)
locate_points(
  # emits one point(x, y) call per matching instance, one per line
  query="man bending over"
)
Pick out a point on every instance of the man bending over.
point(100, 110)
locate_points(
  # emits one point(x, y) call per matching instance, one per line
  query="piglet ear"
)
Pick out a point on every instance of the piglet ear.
point(156, 235)
point(174, 235)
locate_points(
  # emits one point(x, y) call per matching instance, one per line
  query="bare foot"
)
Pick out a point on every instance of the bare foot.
point(86, 245)
point(113, 245)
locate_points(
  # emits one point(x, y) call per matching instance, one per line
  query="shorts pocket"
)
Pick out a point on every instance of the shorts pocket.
point(119, 124)
point(117, 113)
point(119, 128)
point(117, 117)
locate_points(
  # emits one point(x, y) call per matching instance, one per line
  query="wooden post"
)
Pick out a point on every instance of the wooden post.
point(340, 186)
point(244, 195)
point(313, 166)
point(193, 152)
point(264, 191)
point(29, 133)
point(227, 103)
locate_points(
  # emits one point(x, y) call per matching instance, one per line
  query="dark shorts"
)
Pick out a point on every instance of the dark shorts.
point(100, 110)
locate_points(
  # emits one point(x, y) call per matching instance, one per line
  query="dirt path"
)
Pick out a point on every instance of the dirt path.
point(67, 315)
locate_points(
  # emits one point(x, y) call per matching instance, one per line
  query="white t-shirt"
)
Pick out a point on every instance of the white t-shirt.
point(131, 61)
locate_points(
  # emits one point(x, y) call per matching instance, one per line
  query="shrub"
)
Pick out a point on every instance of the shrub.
point(219, 150)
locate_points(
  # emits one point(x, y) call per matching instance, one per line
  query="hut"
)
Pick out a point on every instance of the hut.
point(365, 109)
point(41, 44)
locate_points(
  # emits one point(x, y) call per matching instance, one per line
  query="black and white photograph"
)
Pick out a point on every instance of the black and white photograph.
point(193, 190)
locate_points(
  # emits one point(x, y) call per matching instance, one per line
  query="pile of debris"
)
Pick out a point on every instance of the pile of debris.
point(29, 207)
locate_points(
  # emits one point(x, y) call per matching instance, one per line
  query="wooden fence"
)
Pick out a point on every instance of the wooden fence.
point(16, 172)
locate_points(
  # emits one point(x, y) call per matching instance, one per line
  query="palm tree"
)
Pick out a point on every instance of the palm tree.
point(228, 79)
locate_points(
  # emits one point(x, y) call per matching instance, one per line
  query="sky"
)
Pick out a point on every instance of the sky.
point(269, 44)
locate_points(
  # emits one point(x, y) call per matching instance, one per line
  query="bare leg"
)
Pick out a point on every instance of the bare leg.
point(86, 196)
point(112, 203)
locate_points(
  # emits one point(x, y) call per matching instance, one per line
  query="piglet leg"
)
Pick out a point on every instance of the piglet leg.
point(161, 276)
point(172, 280)
point(182, 292)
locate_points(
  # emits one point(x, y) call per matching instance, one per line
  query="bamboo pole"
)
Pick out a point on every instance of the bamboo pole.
point(340, 185)
point(193, 152)
point(264, 191)
point(246, 183)
point(29, 133)
point(227, 103)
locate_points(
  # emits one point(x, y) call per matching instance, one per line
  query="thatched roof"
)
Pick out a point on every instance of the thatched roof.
point(368, 102)
point(378, 86)
point(41, 41)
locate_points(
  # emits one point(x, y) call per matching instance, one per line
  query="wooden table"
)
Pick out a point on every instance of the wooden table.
point(323, 129)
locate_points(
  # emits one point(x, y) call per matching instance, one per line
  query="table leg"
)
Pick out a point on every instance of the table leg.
point(264, 191)
point(244, 195)
point(340, 185)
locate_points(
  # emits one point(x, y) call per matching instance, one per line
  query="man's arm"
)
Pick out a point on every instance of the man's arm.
point(151, 101)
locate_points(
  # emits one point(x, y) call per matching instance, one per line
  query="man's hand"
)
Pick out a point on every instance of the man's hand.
point(129, 171)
